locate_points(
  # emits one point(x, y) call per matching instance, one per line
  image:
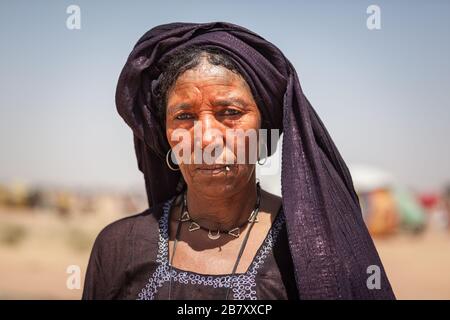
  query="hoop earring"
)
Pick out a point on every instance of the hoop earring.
point(265, 157)
point(168, 162)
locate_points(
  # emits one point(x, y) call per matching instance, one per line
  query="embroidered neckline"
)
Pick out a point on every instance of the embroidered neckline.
point(243, 284)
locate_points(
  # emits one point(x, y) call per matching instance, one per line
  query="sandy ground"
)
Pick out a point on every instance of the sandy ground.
point(418, 267)
point(35, 267)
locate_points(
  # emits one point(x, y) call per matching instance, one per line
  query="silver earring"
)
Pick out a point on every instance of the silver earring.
point(265, 156)
point(168, 162)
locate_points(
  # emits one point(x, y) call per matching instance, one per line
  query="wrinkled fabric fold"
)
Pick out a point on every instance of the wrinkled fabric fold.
point(329, 242)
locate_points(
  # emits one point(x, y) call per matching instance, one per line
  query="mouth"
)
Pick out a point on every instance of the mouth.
point(215, 168)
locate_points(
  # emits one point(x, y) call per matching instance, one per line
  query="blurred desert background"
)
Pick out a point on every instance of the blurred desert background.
point(43, 232)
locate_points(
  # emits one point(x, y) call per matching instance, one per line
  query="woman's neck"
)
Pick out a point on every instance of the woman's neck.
point(222, 211)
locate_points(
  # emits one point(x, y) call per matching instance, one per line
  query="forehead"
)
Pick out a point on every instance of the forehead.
point(208, 77)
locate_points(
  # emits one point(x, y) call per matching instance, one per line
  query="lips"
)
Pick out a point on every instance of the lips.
point(211, 167)
point(215, 168)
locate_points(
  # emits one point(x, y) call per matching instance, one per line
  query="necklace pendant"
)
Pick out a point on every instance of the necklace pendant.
point(253, 217)
point(234, 232)
point(185, 216)
point(193, 226)
point(214, 236)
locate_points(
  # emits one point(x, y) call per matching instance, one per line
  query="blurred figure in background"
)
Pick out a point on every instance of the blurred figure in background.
point(387, 207)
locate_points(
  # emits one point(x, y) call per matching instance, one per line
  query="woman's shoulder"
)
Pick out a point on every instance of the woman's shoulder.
point(117, 247)
point(118, 231)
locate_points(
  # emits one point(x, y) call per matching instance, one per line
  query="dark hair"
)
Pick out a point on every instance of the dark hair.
point(183, 60)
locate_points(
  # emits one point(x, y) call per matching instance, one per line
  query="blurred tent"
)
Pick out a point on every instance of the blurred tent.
point(437, 206)
point(413, 216)
point(387, 206)
point(429, 200)
point(367, 178)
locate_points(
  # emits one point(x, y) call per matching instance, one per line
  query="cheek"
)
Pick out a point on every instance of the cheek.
point(181, 142)
point(252, 120)
point(169, 134)
point(245, 148)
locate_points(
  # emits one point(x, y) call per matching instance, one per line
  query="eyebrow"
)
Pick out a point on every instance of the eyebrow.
point(222, 102)
point(179, 106)
point(229, 101)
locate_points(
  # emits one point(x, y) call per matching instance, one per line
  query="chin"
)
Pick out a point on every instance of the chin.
point(217, 182)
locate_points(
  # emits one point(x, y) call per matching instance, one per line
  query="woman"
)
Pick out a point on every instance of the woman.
point(211, 232)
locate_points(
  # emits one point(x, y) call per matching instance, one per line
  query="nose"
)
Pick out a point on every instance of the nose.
point(210, 130)
point(210, 134)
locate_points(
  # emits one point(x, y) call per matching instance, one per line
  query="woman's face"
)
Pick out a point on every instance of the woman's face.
point(207, 102)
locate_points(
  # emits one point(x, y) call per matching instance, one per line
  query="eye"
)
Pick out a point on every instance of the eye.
point(184, 116)
point(230, 112)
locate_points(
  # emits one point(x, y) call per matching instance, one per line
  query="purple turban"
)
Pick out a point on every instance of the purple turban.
point(331, 248)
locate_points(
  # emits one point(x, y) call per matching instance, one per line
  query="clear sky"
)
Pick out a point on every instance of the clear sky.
point(383, 94)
